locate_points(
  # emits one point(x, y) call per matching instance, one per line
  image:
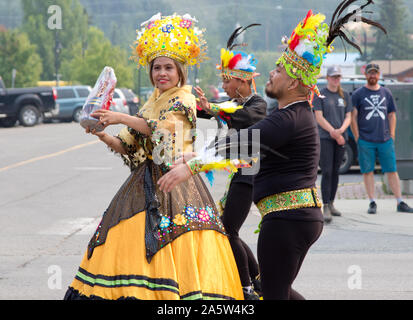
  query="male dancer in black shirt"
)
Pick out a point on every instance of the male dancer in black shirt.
point(284, 188)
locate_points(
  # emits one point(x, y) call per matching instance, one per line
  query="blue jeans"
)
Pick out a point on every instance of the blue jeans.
point(367, 152)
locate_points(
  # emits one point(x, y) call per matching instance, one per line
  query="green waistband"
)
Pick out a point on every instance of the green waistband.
point(295, 199)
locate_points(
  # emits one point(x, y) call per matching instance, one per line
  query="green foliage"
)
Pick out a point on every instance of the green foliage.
point(395, 45)
point(74, 28)
point(16, 52)
point(86, 68)
point(83, 56)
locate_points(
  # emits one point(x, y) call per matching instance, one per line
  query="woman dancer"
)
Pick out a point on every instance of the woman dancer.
point(149, 244)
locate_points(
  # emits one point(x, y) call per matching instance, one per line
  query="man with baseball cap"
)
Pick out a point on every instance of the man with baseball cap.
point(374, 129)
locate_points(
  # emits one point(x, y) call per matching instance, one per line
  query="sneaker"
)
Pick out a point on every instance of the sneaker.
point(372, 208)
point(334, 211)
point(403, 207)
point(250, 294)
point(327, 213)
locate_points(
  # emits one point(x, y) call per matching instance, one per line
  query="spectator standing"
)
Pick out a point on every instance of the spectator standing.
point(333, 115)
point(374, 129)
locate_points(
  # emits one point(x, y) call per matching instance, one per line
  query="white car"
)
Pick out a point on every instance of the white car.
point(119, 102)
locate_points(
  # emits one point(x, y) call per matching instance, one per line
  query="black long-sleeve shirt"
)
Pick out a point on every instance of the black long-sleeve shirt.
point(291, 131)
point(253, 110)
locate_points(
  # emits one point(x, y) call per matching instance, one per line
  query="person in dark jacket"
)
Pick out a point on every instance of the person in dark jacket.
point(238, 72)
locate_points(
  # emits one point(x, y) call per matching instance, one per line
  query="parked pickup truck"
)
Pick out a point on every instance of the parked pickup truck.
point(28, 105)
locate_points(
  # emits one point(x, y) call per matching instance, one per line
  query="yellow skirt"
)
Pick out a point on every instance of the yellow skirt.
point(196, 265)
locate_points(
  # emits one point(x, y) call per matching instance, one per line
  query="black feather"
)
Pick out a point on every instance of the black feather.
point(233, 36)
point(374, 23)
point(237, 32)
point(337, 22)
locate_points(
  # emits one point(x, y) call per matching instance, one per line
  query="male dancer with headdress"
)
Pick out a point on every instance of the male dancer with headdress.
point(284, 189)
point(238, 73)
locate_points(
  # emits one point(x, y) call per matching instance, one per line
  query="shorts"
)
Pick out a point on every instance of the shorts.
point(367, 152)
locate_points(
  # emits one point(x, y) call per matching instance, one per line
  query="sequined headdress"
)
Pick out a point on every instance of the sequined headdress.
point(312, 39)
point(238, 64)
point(174, 36)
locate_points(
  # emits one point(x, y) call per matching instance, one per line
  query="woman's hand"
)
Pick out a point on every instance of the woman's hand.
point(107, 117)
point(101, 135)
point(203, 101)
point(179, 173)
point(185, 157)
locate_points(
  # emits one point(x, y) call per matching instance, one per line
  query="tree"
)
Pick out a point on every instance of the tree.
point(86, 68)
point(16, 52)
point(37, 25)
point(394, 45)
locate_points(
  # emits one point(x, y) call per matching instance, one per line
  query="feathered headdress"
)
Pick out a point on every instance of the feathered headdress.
point(238, 64)
point(312, 39)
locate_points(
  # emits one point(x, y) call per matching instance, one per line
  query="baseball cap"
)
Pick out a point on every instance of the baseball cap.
point(372, 66)
point(334, 71)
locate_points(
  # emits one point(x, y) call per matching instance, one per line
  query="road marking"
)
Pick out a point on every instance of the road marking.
point(47, 156)
point(78, 226)
point(92, 168)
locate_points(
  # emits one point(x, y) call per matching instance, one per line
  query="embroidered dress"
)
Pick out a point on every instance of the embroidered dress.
point(154, 245)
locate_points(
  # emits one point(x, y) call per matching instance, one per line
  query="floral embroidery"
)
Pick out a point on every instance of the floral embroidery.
point(167, 28)
point(203, 215)
point(180, 220)
point(190, 212)
point(210, 211)
point(191, 218)
point(185, 24)
point(165, 222)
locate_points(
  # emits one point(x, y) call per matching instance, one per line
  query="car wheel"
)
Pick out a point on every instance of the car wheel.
point(29, 116)
point(348, 158)
point(76, 115)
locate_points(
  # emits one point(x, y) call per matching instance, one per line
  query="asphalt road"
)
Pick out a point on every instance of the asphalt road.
point(56, 182)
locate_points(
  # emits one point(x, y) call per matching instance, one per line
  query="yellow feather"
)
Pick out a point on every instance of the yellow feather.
point(226, 57)
point(314, 21)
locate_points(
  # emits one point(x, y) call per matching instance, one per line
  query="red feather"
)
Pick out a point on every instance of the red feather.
point(233, 62)
point(294, 42)
point(295, 39)
point(309, 14)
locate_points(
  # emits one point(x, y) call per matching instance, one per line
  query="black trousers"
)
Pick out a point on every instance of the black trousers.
point(330, 161)
point(237, 207)
point(282, 247)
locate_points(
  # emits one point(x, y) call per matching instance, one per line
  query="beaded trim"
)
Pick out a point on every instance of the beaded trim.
point(296, 60)
point(195, 166)
point(169, 54)
point(296, 199)
point(240, 74)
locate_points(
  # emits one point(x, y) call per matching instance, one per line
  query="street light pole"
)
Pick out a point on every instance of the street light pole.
point(58, 49)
